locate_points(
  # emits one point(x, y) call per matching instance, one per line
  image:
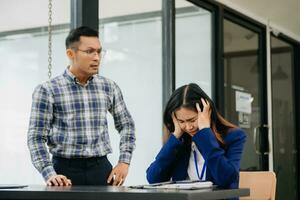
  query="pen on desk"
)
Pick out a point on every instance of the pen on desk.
point(161, 183)
point(188, 181)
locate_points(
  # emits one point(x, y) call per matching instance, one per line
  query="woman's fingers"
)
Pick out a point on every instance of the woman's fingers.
point(173, 117)
point(198, 107)
point(177, 129)
point(205, 104)
point(204, 115)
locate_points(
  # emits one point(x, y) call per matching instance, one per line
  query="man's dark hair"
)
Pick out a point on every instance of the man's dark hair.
point(74, 35)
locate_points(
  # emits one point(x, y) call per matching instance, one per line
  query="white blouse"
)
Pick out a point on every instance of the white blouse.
point(192, 172)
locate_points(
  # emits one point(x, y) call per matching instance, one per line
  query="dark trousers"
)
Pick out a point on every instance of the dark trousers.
point(84, 171)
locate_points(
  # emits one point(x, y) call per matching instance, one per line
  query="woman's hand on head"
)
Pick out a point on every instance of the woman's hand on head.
point(204, 115)
point(178, 131)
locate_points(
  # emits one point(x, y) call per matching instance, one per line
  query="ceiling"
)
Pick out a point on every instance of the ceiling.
point(282, 15)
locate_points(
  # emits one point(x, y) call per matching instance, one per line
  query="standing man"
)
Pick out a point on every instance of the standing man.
point(68, 115)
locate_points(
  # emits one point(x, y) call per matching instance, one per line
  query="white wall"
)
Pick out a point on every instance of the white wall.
point(20, 14)
point(34, 13)
point(280, 15)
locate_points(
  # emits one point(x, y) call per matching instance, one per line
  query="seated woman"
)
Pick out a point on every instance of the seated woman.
point(200, 143)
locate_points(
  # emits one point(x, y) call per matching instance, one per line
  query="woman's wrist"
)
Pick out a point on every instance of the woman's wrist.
point(177, 134)
point(203, 127)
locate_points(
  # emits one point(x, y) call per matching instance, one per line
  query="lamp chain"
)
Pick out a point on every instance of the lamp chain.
point(49, 39)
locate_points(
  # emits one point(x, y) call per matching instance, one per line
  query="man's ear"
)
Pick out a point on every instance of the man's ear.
point(70, 53)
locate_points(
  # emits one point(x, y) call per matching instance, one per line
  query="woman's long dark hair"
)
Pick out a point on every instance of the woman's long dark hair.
point(187, 96)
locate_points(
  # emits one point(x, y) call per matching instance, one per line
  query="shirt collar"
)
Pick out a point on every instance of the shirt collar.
point(73, 78)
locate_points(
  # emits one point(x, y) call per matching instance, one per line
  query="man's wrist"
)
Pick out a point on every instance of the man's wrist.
point(121, 162)
point(47, 172)
point(125, 157)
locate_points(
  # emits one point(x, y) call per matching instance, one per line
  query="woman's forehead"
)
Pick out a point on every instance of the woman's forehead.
point(185, 113)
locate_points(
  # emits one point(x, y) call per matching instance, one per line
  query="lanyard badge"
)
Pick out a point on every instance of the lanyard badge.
point(196, 163)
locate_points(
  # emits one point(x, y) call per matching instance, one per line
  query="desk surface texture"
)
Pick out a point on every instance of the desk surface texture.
point(38, 192)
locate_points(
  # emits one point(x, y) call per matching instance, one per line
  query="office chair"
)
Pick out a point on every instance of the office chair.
point(262, 184)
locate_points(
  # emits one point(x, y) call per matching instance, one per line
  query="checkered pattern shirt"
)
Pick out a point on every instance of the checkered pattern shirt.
point(71, 120)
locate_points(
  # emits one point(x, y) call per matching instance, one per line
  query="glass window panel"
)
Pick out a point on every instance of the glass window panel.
point(241, 76)
point(283, 120)
point(25, 58)
point(132, 38)
point(193, 45)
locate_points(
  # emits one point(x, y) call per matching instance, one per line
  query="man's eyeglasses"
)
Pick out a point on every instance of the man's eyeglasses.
point(93, 52)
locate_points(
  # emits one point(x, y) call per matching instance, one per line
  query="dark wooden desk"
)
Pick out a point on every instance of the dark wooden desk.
point(39, 192)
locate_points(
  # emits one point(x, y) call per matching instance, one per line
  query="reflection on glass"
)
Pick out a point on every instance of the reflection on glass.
point(283, 111)
point(241, 79)
point(193, 45)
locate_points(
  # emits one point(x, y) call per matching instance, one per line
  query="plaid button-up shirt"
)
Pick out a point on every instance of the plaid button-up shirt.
point(72, 120)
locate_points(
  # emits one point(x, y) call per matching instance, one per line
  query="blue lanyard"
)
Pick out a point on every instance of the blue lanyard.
point(203, 168)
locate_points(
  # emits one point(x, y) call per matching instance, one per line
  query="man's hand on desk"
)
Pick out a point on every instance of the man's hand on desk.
point(118, 174)
point(58, 180)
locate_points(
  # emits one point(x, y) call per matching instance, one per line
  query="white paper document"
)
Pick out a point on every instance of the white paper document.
point(243, 102)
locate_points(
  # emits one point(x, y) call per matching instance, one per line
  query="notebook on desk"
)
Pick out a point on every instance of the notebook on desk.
point(181, 185)
point(11, 186)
